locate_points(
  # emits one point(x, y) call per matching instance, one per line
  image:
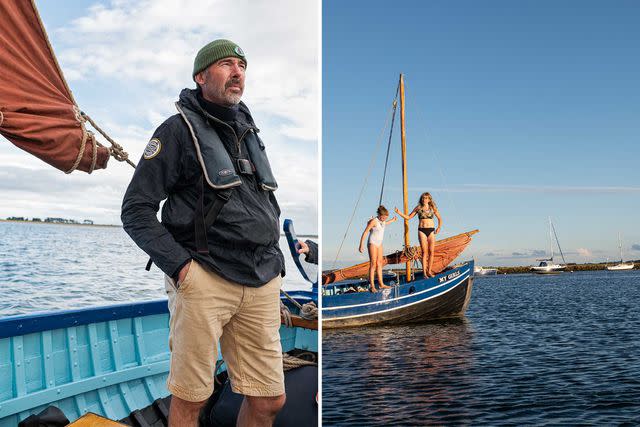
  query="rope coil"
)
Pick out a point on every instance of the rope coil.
point(308, 311)
point(291, 362)
point(285, 313)
point(411, 252)
point(83, 144)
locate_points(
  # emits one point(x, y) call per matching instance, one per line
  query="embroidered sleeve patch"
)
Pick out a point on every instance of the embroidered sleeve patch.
point(152, 149)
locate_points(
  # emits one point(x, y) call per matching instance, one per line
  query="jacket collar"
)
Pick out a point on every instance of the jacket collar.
point(189, 99)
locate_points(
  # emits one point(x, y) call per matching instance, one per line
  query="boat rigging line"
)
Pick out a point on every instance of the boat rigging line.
point(364, 185)
point(558, 242)
point(116, 150)
point(437, 161)
point(386, 161)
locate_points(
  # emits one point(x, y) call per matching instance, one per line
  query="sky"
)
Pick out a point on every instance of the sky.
point(516, 111)
point(126, 62)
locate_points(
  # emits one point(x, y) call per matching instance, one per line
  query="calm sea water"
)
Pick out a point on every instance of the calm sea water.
point(532, 350)
point(52, 267)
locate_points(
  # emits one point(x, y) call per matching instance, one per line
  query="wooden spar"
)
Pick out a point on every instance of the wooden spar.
point(407, 244)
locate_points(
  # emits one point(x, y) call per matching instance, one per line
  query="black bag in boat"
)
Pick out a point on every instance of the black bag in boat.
point(300, 409)
point(50, 417)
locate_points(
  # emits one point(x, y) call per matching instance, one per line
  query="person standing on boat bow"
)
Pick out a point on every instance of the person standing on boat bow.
point(375, 228)
point(426, 210)
point(217, 243)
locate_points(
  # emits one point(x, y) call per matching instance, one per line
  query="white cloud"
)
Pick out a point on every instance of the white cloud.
point(584, 252)
point(154, 42)
point(144, 51)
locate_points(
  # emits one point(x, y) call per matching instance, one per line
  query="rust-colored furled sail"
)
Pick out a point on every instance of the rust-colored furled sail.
point(37, 110)
point(446, 251)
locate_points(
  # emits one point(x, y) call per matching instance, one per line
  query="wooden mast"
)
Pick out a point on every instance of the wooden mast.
point(407, 244)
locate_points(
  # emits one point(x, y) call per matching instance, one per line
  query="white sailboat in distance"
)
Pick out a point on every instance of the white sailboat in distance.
point(547, 266)
point(622, 265)
point(482, 271)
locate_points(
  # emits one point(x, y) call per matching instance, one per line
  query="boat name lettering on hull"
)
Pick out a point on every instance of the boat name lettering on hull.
point(449, 276)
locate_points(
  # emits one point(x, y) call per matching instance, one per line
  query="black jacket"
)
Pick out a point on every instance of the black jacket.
point(243, 241)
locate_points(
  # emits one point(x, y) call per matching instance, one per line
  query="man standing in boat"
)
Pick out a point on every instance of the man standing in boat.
point(217, 243)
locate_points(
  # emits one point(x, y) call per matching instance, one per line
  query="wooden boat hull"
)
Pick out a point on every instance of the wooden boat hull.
point(446, 295)
point(106, 360)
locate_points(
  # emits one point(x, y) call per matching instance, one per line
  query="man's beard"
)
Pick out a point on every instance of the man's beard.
point(232, 98)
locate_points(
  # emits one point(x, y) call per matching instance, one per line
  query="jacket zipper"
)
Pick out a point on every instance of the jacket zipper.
point(238, 140)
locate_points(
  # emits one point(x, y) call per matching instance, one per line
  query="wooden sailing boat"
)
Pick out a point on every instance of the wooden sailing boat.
point(413, 297)
point(621, 265)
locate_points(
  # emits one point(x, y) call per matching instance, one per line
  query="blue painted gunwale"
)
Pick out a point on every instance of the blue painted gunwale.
point(366, 303)
point(43, 321)
point(108, 360)
point(11, 326)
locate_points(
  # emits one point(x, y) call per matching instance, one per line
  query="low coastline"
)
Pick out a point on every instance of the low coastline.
point(305, 236)
point(570, 267)
point(60, 223)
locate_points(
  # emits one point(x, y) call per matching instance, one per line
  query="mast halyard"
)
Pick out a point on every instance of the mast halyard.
point(407, 244)
point(620, 246)
point(550, 240)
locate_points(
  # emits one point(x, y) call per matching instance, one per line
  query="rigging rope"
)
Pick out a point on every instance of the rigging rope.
point(437, 161)
point(285, 313)
point(411, 252)
point(308, 310)
point(86, 135)
point(116, 150)
point(291, 362)
point(364, 185)
point(558, 242)
point(386, 162)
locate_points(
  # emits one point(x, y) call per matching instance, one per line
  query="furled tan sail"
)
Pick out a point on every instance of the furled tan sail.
point(37, 110)
point(446, 251)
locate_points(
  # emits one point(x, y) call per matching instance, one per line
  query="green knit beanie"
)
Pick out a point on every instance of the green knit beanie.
point(215, 51)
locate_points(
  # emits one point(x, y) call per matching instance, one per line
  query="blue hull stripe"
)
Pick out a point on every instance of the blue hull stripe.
point(459, 279)
point(399, 298)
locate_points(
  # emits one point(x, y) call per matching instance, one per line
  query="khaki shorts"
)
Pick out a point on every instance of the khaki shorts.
point(207, 308)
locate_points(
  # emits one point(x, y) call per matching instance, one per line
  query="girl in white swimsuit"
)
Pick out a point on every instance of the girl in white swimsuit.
point(376, 234)
point(375, 228)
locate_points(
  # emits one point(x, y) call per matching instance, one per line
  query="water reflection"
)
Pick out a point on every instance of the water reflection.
point(396, 375)
point(533, 351)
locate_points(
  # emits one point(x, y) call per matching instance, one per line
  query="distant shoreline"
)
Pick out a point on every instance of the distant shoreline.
point(60, 223)
point(312, 236)
point(570, 267)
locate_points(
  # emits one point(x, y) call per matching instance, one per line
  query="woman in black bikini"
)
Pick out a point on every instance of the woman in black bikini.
point(426, 210)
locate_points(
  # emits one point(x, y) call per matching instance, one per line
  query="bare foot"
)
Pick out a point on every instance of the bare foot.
point(430, 274)
point(373, 290)
point(385, 287)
